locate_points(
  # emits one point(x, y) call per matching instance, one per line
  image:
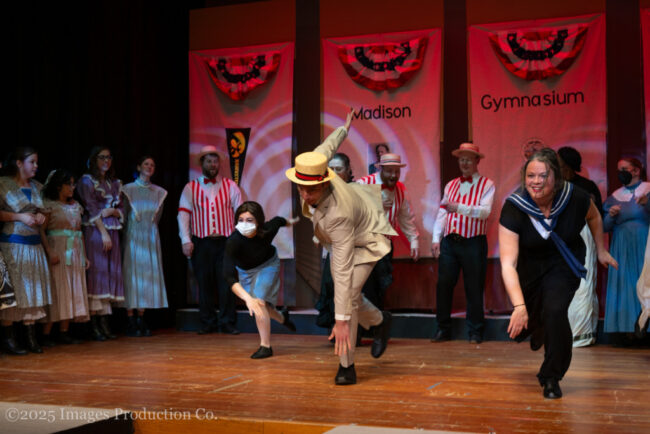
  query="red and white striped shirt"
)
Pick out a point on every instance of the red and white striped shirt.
point(397, 207)
point(474, 206)
point(208, 209)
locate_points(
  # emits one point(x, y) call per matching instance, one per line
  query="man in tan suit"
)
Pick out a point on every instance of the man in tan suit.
point(349, 221)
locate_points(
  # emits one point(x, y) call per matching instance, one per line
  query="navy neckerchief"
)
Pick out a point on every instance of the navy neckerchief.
point(523, 201)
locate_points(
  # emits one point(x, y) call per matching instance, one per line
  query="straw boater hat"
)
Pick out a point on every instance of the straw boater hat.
point(207, 150)
point(391, 160)
point(467, 147)
point(311, 169)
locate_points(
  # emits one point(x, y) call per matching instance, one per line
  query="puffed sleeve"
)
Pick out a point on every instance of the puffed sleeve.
point(89, 200)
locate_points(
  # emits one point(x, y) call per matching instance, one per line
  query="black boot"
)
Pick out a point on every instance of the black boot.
point(95, 332)
point(9, 344)
point(32, 343)
point(132, 329)
point(103, 326)
point(47, 341)
point(143, 328)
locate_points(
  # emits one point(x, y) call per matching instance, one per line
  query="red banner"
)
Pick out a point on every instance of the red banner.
point(537, 84)
point(245, 109)
point(392, 81)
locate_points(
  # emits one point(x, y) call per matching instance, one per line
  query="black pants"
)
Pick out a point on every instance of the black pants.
point(547, 302)
point(470, 254)
point(207, 261)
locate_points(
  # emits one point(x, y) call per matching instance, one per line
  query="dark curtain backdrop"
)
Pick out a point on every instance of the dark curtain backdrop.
point(109, 73)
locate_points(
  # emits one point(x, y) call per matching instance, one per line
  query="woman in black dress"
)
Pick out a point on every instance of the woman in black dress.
point(541, 260)
point(252, 269)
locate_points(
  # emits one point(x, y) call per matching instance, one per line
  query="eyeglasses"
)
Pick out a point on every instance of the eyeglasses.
point(105, 157)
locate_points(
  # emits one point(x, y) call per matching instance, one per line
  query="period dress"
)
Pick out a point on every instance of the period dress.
point(104, 276)
point(69, 293)
point(144, 283)
point(629, 232)
point(7, 297)
point(23, 252)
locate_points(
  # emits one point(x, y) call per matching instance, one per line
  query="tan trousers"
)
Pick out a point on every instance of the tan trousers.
point(363, 311)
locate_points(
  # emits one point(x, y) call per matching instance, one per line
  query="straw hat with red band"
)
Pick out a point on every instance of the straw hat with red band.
point(310, 169)
point(209, 150)
point(467, 147)
point(391, 160)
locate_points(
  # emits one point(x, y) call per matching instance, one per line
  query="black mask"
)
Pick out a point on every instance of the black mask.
point(624, 176)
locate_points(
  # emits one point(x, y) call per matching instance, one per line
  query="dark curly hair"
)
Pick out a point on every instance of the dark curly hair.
point(53, 183)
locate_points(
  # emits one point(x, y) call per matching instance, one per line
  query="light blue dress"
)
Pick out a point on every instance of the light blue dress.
point(144, 283)
point(629, 233)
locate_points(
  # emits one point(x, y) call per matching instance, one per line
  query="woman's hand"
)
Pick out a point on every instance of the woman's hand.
point(108, 212)
point(606, 259)
point(27, 218)
point(53, 259)
point(614, 210)
point(107, 243)
point(292, 221)
point(518, 321)
point(255, 306)
point(40, 218)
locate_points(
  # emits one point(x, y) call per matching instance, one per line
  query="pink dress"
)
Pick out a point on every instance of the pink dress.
point(69, 294)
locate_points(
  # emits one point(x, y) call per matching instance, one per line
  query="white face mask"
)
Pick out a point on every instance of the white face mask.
point(247, 229)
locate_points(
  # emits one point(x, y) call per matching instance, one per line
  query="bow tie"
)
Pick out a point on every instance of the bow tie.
point(210, 180)
point(466, 179)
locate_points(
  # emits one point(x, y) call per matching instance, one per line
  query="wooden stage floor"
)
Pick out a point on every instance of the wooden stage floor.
point(453, 386)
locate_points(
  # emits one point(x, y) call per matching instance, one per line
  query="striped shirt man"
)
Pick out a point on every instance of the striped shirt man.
point(206, 208)
point(473, 197)
point(397, 206)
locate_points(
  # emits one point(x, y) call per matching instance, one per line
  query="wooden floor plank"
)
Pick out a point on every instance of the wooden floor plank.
point(451, 386)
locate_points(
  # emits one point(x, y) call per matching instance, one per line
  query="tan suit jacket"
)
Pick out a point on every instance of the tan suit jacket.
point(350, 223)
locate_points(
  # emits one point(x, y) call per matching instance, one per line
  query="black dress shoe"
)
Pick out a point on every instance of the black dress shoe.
point(47, 341)
point(345, 376)
point(229, 330)
point(552, 389)
point(537, 339)
point(441, 336)
point(262, 353)
point(65, 339)
point(207, 329)
point(287, 322)
point(475, 339)
point(381, 335)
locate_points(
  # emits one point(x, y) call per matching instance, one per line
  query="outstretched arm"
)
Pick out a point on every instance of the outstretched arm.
point(334, 140)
